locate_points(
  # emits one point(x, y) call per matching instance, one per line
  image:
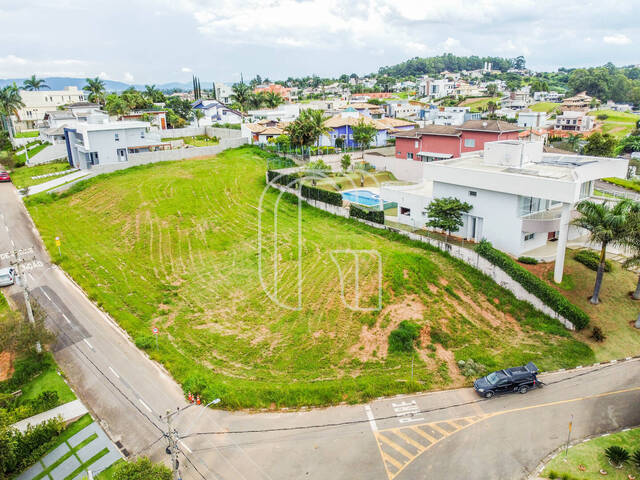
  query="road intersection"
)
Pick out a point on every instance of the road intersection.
point(447, 434)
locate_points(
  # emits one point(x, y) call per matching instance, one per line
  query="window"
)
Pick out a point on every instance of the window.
point(142, 134)
point(585, 189)
point(470, 142)
point(117, 137)
point(529, 236)
point(415, 144)
point(405, 211)
point(409, 156)
point(473, 193)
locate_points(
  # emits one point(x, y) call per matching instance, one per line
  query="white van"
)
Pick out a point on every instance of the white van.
point(7, 276)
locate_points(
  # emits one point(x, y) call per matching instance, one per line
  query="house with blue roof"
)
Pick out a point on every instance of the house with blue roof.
point(217, 112)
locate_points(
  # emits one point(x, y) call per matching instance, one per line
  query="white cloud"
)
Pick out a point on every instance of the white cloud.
point(14, 66)
point(451, 43)
point(186, 70)
point(617, 39)
point(128, 77)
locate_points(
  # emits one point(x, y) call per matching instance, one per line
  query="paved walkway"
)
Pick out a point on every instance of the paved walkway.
point(68, 411)
point(57, 182)
point(89, 449)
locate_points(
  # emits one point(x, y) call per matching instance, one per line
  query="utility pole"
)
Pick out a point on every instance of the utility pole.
point(172, 435)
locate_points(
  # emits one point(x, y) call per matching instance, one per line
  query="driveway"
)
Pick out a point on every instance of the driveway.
point(449, 434)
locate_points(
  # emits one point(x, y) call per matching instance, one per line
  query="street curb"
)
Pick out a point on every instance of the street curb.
point(597, 364)
point(543, 463)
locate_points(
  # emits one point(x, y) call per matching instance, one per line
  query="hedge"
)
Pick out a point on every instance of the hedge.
point(376, 216)
point(282, 179)
point(313, 193)
point(528, 260)
point(591, 260)
point(549, 295)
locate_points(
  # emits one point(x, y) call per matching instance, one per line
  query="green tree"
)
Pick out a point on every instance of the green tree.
point(141, 469)
point(628, 144)
point(116, 105)
point(198, 115)
point(10, 102)
point(491, 107)
point(600, 145)
point(492, 89)
point(254, 101)
point(153, 94)
point(632, 242)
point(35, 84)
point(446, 214)
point(606, 226)
point(96, 90)
point(272, 99)
point(363, 134)
point(241, 93)
point(181, 107)
point(316, 120)
point(574, 141)
point(345, 162)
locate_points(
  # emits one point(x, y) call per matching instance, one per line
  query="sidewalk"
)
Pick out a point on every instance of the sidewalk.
point(57, 182)
point(68, 411)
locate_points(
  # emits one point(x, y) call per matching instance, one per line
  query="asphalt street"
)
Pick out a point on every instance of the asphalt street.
point(448, 434)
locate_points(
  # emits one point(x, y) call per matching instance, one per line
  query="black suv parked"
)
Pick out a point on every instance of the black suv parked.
point(515, 379)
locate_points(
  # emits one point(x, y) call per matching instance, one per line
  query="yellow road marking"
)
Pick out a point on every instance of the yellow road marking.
point(421, 432)
point(454, 424)
point(439, 429)
point(392, 461)
point(410, 440)
point(395, 446)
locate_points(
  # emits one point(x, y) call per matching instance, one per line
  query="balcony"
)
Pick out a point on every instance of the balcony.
point(542, 222)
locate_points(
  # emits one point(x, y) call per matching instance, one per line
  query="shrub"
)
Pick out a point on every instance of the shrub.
point(376, 216)
point(552, 474)
point(471, 368)
point(598, 335)
point(549, 295)
point(403, 338)
point(635, 458)
point(320, 195)
point(144, 341)
point(616, 455)
point(142, 468)
point(591, 260)
point(528, 260)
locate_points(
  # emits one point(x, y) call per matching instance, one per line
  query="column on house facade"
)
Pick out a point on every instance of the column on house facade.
point(562, 241)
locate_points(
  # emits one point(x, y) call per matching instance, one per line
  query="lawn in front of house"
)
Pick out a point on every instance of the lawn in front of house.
point(31, 134)
point(196, 141)
point(22, 158)
point(22, 176)
point(615, 314)
point(590, 455)
point(178, 250)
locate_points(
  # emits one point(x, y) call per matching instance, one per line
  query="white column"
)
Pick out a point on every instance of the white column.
point(562, 242)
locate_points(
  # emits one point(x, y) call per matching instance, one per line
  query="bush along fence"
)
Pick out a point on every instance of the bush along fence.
point(376, 216)
point(491, 262)
point(549, 295)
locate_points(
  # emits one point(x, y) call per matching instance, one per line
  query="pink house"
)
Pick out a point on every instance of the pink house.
point(439, 142)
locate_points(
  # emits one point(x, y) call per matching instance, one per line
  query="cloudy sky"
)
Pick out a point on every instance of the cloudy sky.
point(156, 41)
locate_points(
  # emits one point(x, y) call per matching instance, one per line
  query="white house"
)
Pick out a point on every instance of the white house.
point(574, 121)
point(521, 197)
point(38, 102)
point(551, 96)
point(223, 92)
point(216, 112)
point(530, 119)
point(90, 144)
point(286, 112)
point(450, 115)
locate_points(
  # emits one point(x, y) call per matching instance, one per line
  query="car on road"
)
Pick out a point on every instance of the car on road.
point(510, 380)
point(4, 177)
point(7, 276)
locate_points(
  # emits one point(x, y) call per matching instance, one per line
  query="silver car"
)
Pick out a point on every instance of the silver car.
point(7, 276)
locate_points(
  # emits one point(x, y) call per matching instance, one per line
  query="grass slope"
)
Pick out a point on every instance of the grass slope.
point(618, 124)
point(21, 176)
point(479, 104)
point(177, 248)
point(544, 107)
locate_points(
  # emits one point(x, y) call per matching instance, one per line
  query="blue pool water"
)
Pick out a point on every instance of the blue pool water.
point(363, 197)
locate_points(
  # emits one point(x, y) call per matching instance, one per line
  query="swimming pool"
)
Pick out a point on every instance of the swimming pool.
point(362, 197)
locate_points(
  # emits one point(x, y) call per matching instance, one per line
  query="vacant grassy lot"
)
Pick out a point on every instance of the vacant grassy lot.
point(614, 315)
point(31, 134)
point(544, 107)
point(197, 141)
point(177, 248)
point(478, 104)
point(618, 124)
point(590, 455)
point(21, 176)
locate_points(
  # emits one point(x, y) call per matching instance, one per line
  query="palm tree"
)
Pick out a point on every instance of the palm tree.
point(35, 84)
point(606, 225)
point(574, 140)
point(10, 103)
point(198, 114)
point(153, 94)
point(272, 99)
point(491, 106)
point(96, 89)
point(363, 134)
point(632, 241)
point(254, 101)
point(316, 123)
point(241, 92)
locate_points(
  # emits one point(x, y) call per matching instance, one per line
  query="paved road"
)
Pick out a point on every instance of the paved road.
point(450, 434)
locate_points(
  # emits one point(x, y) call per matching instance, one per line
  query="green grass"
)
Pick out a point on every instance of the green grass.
point(178, 250)
point(591, 456)
point(621, 182)
point(27, 134)
point(109, 472)
point(618, 124)
point(544, 107)
point(21, 176)
point(197, 141)
point(48, 380)
point(479, 104)
point(352, 180)
point(32, 152)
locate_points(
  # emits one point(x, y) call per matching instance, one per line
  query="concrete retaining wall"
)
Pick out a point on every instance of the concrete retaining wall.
point(407, 170)
point(222, 132)
point(49, 154)
point(182, 132)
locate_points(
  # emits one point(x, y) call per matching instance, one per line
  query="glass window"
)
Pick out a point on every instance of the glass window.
point(410, 156)
point(529, 236)
point(472, 193)
point(470, 142)
point(585, 189)
point(117, 137)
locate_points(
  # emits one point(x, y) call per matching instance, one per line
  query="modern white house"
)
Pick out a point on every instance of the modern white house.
point(574, 121)
point(286, 112)
point(91, 144)
point(216, 112)
point(38, 102)
point(530, 119)
point(76, 114)
point(521, 197)
point(450, 115)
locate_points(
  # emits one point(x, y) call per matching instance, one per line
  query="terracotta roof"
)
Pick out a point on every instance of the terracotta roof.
point(394, 122)
point(340, 121)
point(254, 127)
point(489, 126)
point(272, 131)
point(445, 130)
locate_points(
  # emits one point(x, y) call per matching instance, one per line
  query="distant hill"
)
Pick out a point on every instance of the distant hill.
point(58, 83)
point(434, 65)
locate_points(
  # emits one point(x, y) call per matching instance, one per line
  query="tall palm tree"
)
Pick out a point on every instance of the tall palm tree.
point(96, 89)
point(241, 92)
point(35, 84)
point(632, 241)
point(10, 103)
point(606, 225)
point(273, 99)
point(316, 121)
point(574, 140)
point(255, 101)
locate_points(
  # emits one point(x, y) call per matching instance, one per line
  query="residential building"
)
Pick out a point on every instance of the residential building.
point(157, 118)
point(574, 121)
point(285, 112)
point(516, 100)
point(618, 107)
point(262, 131)
point(341, 126)
point(75, 114)
point(521, 198)
point(434, 89)
point(90, 144)
point(551, 96)
point(404, 109)
point(450, 115)
point(223, 93)
point(530, 119)
point(38, 102)
point(284, 92)
point(581, 101)
point(217, 112)
point(367, 109)
point(438, 142)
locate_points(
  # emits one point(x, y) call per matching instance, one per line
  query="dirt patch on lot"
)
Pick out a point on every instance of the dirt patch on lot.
point(6, 365)
point(485, 310)
point(457, 379)
point(376, 339)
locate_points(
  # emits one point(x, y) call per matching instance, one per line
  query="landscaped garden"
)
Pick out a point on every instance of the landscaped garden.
point(179, 250)
point(596, 459)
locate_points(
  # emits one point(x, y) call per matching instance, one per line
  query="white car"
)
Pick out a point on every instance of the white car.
point(7, 276)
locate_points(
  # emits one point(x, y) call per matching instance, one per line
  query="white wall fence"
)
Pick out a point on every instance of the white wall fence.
point(466, 255)
point(402, 169)
point(182, 132)
point(222, 132)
